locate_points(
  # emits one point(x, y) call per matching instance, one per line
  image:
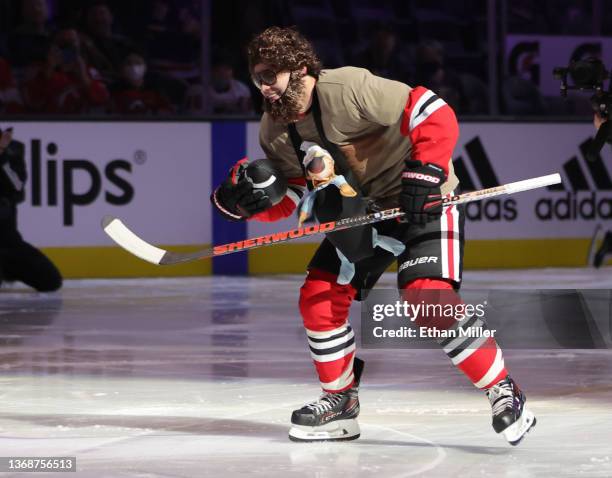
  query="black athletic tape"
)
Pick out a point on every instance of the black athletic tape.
point(426, 104)
point(333, 337)
point(464, 345)
point(469, 323)
point(333, 350)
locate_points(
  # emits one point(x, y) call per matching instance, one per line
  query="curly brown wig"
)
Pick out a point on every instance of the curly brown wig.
point(285, 49)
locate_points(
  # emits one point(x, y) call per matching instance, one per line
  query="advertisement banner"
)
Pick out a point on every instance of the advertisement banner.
point(155, 176)
point(489, 154)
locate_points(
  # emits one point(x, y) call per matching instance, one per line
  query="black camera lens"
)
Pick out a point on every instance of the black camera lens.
point(587, 73)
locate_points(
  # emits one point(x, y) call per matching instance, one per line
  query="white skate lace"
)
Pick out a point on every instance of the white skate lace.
point(501, 396)
point(325, 402)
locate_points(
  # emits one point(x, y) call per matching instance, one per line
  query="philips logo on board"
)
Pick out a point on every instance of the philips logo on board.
point(111, 180)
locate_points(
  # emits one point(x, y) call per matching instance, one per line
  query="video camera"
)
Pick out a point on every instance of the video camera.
point(590, 75)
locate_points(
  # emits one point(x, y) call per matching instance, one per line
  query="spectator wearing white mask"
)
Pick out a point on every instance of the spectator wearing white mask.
point(133, 94)
point(228, 95)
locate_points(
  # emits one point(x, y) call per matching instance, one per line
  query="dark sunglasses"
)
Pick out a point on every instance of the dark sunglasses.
point(264, 77)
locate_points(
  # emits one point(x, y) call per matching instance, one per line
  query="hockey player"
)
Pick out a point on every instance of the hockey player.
point(393, 144)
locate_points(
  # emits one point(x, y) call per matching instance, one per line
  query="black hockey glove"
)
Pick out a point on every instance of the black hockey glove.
point(235, 199)
point(421, 198)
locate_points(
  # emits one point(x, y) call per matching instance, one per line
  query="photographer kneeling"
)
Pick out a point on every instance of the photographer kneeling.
point(19, 261)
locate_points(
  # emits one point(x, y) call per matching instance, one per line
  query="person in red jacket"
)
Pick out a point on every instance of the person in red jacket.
point(133, 95)
point(63, 83)
point(393, 144)
point(10, 99)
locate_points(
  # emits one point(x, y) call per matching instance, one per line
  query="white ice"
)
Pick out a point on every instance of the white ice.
point(197, 378)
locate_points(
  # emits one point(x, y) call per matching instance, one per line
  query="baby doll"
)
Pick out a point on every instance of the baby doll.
point(319, 167)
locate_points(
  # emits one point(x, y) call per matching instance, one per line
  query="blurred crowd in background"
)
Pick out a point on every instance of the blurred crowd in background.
point(145, 57)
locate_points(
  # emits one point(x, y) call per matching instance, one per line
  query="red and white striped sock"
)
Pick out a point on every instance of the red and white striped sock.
point(479, 357)
point(324, 305)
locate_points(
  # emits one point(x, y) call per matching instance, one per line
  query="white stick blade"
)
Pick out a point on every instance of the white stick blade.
point(533, 183)
point(120, 233)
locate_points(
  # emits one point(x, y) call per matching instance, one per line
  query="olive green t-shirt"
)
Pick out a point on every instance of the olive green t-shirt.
point(361, 113)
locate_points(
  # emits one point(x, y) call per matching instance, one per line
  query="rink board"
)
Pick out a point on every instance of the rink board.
point(108, 262)
point(154, 175)
point(158, 177)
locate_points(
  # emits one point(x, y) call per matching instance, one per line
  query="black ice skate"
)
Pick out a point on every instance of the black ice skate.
point(333, 417)
point(510, 415)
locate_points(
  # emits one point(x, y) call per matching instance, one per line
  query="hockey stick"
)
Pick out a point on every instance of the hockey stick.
point(123, 236)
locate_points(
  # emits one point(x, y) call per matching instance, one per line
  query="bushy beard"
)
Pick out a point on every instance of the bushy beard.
point(286, 109)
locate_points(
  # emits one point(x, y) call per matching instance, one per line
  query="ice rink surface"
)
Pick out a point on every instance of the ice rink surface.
point(198, 378)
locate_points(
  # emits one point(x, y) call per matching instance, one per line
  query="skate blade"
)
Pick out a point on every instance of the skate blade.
point(341, 430)
point(517, 431)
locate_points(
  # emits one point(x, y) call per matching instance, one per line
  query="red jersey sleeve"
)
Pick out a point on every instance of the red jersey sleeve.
point(431, 126)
